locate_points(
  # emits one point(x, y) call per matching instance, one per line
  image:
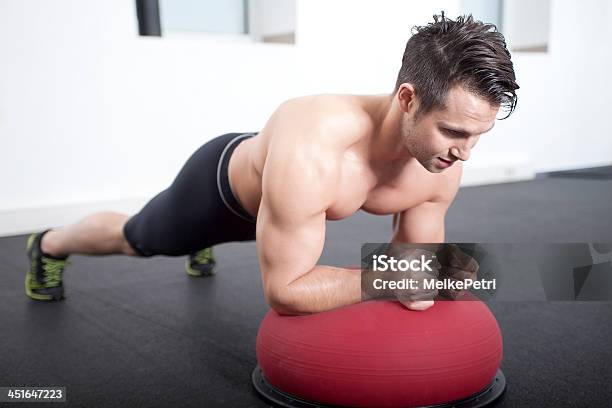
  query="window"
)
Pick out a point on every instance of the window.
point(524, 23)
point(261, 20)
point(527, 24)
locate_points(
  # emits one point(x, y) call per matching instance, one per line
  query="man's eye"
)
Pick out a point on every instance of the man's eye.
point(451, 132)
point(454, 133)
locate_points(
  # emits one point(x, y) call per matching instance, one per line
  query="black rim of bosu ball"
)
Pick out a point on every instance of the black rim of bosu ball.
point(491, 393)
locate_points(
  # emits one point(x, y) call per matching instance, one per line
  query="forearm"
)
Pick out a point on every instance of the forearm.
point(323, 288)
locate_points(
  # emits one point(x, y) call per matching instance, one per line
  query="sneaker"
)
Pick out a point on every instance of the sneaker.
point(43, 280)
point(201, 263)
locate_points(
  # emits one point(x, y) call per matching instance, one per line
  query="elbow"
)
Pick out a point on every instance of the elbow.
point(283, 302)
point(285, 309)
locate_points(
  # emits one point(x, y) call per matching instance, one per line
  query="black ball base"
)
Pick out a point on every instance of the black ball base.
point(282, 399)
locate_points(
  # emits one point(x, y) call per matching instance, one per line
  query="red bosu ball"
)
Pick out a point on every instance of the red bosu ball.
point(380, 354)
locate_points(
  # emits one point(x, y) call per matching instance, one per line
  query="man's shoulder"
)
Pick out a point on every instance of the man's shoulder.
point(333, 114)
point(316, 130)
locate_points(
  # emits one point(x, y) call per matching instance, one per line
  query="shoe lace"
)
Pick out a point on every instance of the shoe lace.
point(52, 269)
point(203, 256)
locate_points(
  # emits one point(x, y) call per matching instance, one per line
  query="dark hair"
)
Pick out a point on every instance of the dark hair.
point(463, 52)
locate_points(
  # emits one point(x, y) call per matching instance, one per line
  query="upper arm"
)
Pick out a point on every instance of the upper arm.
point(425, 222)
point(297, 186)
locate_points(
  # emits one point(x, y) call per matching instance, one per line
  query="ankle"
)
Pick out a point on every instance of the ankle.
point(48, 245)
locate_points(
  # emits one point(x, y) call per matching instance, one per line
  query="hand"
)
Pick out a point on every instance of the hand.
point(421, 298)
point(456, 265)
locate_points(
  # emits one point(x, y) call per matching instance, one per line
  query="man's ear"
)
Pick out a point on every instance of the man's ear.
point(407, 98)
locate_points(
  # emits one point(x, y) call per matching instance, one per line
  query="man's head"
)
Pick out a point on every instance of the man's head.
point(455, 76)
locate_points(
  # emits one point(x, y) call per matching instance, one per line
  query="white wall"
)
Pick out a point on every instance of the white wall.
point(92, 115)
point(562, 118)
point(91, 112)
point(356, 46)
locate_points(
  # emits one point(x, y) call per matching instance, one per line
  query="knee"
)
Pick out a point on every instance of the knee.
point(127, 249)
point(124, 244)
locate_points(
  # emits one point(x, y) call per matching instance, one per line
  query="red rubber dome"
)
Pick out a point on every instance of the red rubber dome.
point(381, 354)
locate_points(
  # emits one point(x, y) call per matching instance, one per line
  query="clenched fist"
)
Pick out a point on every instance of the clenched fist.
point(455, 265)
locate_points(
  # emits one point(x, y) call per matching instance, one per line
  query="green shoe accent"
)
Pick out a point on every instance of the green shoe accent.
point(201, 263)
point(43, 280)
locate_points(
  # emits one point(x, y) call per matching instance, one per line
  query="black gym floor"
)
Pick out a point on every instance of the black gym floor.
point(141, 333)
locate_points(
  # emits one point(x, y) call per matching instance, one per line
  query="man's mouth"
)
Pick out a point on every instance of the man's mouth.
point(443, 163)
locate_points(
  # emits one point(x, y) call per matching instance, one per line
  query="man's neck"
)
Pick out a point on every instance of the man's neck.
point(386, 143)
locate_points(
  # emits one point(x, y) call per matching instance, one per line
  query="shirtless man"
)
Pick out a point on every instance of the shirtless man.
point(317, 158)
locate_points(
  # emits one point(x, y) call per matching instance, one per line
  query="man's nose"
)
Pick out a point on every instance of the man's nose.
point(461, 152)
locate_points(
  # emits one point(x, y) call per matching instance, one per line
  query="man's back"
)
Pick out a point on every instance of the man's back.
point(335, 135)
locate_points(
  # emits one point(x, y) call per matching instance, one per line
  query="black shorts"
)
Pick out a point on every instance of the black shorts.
point(198, 210)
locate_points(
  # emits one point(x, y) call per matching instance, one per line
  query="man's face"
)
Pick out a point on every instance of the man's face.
point(448, 134)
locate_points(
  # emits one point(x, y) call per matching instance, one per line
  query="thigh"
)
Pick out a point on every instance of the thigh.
point(190, 214)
